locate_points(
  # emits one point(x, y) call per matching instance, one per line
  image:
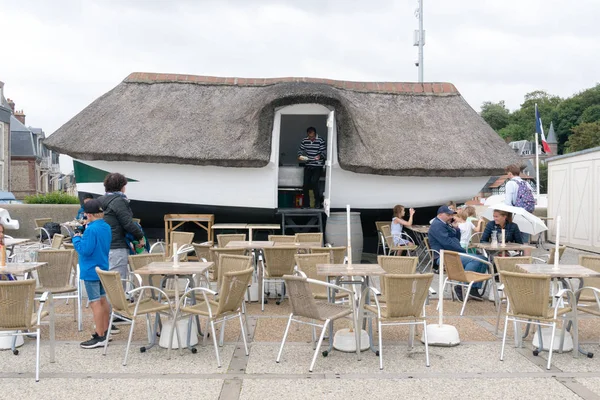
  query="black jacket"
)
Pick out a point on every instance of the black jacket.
point(118, 215)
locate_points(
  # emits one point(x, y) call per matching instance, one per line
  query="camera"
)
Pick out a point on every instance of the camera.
point(80, 229)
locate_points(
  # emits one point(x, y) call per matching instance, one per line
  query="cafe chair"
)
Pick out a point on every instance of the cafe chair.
point(18, 318)
point(203, 250)
point(277, 262)
point(282, 238)
point(381, 238)
point(528, 303)
point(309, 238)
point(405, 305)
point(307, 263)
point(549, 258)
point(391, 247)
point(506, 264)
point(395, 265)
point(457, 276)
point(228, 306)
point(337, 254)
point(143, 305)
point(589, 293)
point(223, 239)
point(56, 277)
point(232, 263)
point(305, 306)
point(181, 238)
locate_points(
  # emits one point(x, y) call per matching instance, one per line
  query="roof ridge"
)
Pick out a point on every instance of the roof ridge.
point(425, 88)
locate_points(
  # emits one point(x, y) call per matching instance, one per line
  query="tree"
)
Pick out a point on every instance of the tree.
point(495, 114)
point(543, 178)
point(571, 110)
point(590, 114)
point(525, 116)
point(514, 132)
point(585, 136)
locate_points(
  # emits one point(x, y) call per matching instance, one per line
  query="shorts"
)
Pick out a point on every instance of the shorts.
point(118, 260)
point(95, 290)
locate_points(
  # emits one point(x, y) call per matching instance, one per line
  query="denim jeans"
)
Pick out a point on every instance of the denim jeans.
point(473, 265)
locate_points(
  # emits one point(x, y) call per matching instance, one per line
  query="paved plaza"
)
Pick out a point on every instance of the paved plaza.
point(472, 369)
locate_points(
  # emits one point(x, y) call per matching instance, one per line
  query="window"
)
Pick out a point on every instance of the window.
point(2, 141)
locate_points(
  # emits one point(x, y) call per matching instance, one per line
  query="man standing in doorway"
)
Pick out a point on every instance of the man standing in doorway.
point(312, 152)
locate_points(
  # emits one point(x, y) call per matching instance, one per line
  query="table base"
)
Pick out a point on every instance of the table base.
point(345, 341)
point(182, 325)
point(441, 335)
point(547, 336)
point(6, 342)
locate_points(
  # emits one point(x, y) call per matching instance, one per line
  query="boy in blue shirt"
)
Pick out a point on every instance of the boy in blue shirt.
point(93, 247)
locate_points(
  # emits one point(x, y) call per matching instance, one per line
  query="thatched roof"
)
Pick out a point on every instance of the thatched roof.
point(383, 128)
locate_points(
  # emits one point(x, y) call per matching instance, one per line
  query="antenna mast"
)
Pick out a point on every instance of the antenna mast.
point(419, 38)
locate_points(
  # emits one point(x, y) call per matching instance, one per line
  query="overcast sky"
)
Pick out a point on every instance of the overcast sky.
point(60, 55)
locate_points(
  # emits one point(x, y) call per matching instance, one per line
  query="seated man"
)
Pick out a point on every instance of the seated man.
point(443, 236)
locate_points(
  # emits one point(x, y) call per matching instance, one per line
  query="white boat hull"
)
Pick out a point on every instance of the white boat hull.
point(258, 187)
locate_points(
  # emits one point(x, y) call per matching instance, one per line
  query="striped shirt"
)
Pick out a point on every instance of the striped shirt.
point(311, 149)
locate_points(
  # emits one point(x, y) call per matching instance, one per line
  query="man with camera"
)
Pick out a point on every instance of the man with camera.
point(92, 247)
point(444, 236)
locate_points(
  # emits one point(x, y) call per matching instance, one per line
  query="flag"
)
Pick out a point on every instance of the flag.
point(539, 130)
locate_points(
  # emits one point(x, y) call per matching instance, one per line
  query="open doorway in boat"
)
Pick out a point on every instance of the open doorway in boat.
point(289, 130)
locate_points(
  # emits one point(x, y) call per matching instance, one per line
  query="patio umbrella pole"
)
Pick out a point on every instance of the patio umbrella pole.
point(440, 334)
point(344, 339)
point(556, 252)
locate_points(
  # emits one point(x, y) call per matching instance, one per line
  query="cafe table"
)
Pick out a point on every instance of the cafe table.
point(491, 250)
point(9, 242)
point(563, 273)
point(185, 270)
point(261, 227)
point(344, 339)
point(20, 269)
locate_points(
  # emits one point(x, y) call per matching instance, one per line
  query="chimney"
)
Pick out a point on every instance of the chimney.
point(11, 104)
point(20, 116)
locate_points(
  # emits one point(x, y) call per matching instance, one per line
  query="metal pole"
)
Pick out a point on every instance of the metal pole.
point(537, 164)
point(421, 41)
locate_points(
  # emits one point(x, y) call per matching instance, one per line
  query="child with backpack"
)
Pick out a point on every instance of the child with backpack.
point(518, 193)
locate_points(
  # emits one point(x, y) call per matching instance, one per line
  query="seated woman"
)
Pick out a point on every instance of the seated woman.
point(398, 223)
point(502, 220)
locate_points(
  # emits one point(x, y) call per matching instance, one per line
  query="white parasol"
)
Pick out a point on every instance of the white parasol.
point(495, 199)
point(526, 221)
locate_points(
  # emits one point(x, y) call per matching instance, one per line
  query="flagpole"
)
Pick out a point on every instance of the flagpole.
point(538, 123)
point(537, 165)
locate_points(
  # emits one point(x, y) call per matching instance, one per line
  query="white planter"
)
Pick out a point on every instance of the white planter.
point(182, 325)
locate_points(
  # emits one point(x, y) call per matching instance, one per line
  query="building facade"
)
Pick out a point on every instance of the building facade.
point(5, 115)
point(34, 168)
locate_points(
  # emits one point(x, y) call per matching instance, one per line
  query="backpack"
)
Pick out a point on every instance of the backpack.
point(525, 197)
point(132, 242)
point(52, 228)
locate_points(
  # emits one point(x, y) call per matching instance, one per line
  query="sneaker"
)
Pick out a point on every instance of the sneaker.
point(458, 292)
point(110, 339)
point(114, 330)
point(95, 341)
point(475, 295)
point(117, 319)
